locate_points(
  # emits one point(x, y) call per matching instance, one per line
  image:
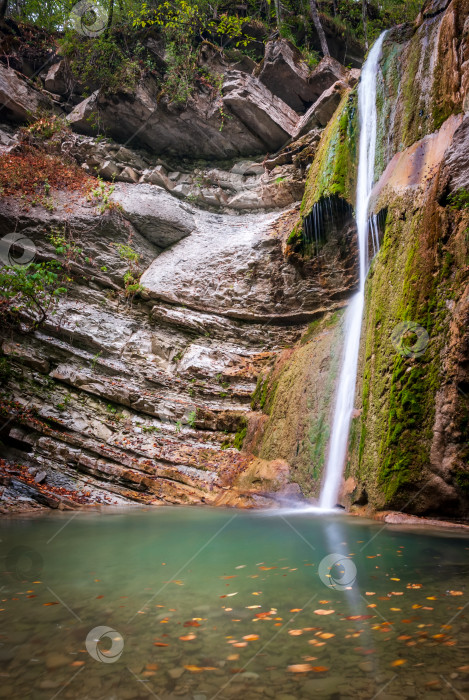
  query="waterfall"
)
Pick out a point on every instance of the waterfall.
point(353, 320)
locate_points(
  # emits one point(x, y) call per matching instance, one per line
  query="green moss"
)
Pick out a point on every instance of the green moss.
point(461, 477)
point(411, 279)
point(239, 438)
point(298, 402)
point(333, 171)
point(310, 332)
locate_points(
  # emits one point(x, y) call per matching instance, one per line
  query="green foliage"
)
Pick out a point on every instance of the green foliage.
point(101, 196)
point(126, 252)
point(101, 60)
point(5, 370)
point(190, 19)
point(114, 411)
point(239, 438)
point(132, 275)
point(459, 199)
point(29, 292)
point(181, 73)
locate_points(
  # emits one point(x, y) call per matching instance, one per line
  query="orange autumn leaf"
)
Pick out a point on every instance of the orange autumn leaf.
point(327, 635)
point(324, 612)
point(358, 617)
point(251, 637)
point(296, 609)
point(191, 623)
point(240, 644)
point(398, 662)
point(160, 644)
point(187, 637)
point(300, 668)
point(295, 633)
point(53, 603)
point(319, 669)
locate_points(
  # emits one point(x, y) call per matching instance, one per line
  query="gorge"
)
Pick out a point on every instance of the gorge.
point(214, 378)
point(234, 350)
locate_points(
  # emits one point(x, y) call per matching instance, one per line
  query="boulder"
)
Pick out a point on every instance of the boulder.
point(271, 119)
point(326, 73)
point(286, 74)
point(19, 100)
point(157, 216)
point(319, 114)
point(81, 118)
point(57, 79)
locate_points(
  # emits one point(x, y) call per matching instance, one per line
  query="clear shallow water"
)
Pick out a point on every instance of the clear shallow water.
point(394, 623)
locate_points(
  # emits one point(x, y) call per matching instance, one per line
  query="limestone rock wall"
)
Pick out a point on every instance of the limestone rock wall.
point(408, 443)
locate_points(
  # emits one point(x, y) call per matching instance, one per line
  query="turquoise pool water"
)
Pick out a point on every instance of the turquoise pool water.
point(202, 604)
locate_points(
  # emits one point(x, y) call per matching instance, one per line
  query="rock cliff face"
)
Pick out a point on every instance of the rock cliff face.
point(149, 401)
point(409, 446)
point(215, 383)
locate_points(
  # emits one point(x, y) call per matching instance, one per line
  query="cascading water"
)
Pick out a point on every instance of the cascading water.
point(346, 388)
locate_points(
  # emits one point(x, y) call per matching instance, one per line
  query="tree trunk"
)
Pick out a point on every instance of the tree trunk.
point(364, 16)
point(110, 16)
point(3, 8)
point(277, 12)
point(318, 26)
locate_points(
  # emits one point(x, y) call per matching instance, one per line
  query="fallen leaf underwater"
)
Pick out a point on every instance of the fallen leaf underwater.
point(356, 649)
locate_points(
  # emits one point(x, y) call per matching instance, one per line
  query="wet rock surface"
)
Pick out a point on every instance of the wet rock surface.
point(115, 402)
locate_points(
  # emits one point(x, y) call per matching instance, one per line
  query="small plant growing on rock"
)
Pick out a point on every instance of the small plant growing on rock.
point(191, 418)
point(101, 196)
point(29, 294)
point(95, 359)
point(131, 277)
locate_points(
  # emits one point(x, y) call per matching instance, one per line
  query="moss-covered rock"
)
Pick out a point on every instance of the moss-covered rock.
point(297, 395)
point(422, 79)
point(408, 399)
point(333, 171)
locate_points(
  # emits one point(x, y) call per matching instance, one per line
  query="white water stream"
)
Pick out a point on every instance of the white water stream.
point(353, 321)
